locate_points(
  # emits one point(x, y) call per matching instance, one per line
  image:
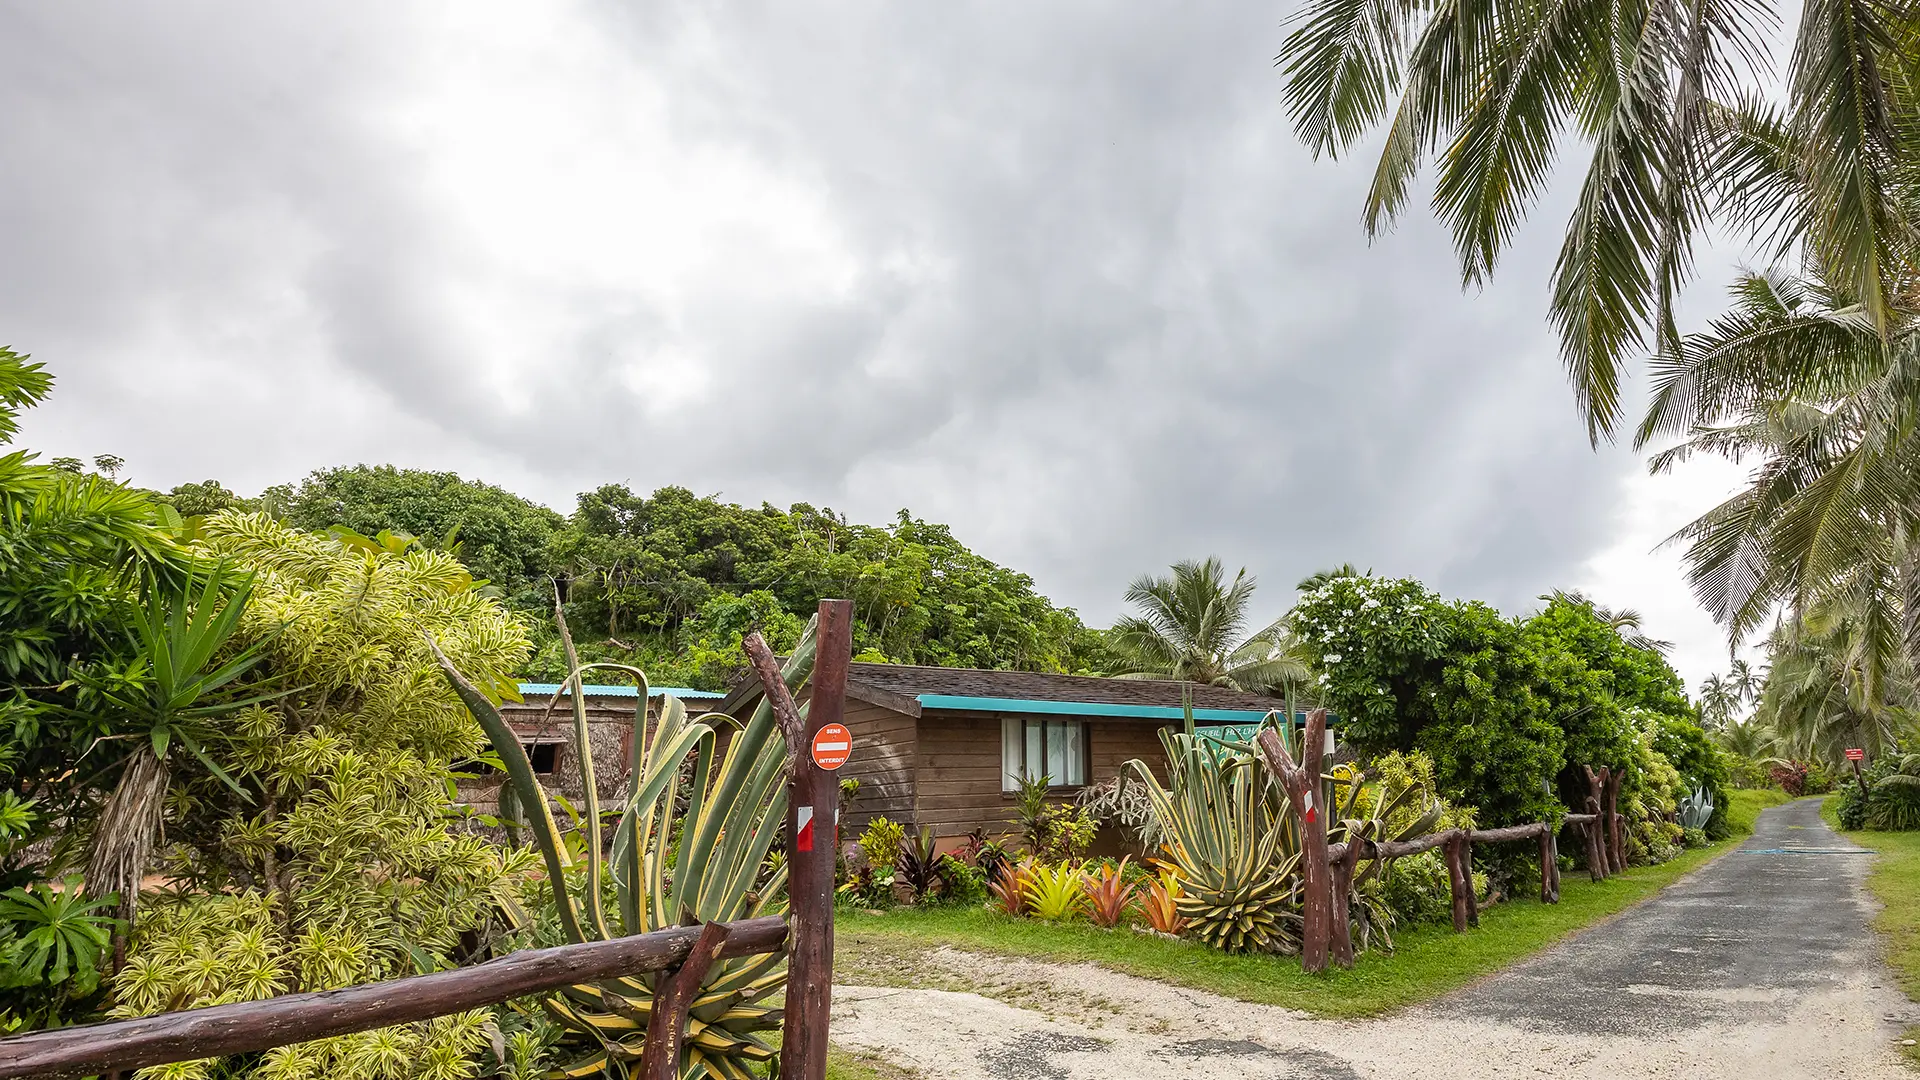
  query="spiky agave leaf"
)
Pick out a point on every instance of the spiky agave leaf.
point(702, 862)
point(1233, 857)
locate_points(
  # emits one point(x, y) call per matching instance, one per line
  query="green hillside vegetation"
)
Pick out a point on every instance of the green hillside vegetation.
point(670, 580)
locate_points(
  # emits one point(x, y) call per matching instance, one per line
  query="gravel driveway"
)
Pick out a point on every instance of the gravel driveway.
point(1758, 966)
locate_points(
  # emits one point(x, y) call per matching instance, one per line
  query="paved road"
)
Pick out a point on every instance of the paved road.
point(1759, 966)
point(1762, 928)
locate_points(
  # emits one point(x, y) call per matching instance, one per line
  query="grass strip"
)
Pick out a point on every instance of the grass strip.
point(1895, 882)
point(1427, 962)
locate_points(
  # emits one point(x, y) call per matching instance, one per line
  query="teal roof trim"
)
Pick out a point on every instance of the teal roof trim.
point(1085, 708)
point(591, 690)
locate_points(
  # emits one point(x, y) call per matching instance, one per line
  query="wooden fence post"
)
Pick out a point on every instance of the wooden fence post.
point(1459, 885)
point(813, 839)
point(1343, 859)
point(1599, 863)
point(1549, 862)
point(674, 991)
point(1302, 783)
point(1466, 875)
point(1616, 823)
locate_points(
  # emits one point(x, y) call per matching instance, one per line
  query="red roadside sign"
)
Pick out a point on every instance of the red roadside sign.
point(831, 745)
point(1854, 753)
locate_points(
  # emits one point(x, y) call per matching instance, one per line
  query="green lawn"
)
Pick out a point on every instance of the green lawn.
point(1429, 961)
point(1895, 882)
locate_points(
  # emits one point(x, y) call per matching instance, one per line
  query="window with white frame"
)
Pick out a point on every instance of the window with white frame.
point(1055, 749)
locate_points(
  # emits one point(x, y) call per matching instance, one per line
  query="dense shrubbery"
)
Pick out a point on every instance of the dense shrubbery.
point(1891, 799)
point(1509, 710)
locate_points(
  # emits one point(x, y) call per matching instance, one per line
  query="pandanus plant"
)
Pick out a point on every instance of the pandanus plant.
point(690, 847)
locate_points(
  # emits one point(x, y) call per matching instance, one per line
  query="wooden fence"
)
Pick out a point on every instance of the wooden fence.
point(682, 955)
point(1328, 869)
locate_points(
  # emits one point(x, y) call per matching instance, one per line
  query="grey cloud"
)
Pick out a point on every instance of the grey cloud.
point(1105, 312)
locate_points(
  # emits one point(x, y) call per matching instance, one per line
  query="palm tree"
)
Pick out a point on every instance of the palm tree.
point(1719, 702)
point(1745, 682)
point(1624, 621)
point(1671, 101)
point(1190, 627)
point(1751, 740)
point(1823, 696)
point(1796, 376)
point(1321, 577)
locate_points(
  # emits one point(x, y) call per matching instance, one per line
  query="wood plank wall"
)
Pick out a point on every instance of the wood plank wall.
point(959, 774)
point(884, 749)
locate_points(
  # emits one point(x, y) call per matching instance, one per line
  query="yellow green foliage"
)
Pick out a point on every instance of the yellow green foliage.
point(341, 865)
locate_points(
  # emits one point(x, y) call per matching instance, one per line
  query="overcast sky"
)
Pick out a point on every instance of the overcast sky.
point(1057, 274)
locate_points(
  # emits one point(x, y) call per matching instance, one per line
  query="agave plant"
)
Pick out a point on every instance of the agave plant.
point(691, 846)
point(1228, 840)
point(1696, 809)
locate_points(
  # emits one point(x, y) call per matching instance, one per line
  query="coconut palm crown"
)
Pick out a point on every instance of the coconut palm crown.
point(1192, 625)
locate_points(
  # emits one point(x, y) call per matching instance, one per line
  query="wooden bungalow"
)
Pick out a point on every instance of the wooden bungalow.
point(945, 747)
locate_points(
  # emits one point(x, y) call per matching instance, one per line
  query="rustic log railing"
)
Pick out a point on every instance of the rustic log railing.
point(684, 955)
point(1328, 869)
point(249, 1026)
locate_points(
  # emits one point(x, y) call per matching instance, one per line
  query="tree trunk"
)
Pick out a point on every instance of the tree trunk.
point(123, 840)
point(1599, 863)
point(1547, 861)
point(1302, 785)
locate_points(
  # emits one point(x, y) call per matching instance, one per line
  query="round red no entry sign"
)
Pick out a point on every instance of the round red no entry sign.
point(831, 745)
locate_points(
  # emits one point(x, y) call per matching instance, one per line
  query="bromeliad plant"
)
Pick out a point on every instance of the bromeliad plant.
point(1160, 904)
point(1057, 893)
point(691, 846)
point(1109, 893)
point(1011, 889)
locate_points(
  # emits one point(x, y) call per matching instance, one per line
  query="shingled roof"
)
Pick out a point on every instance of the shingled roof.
point(900, 687)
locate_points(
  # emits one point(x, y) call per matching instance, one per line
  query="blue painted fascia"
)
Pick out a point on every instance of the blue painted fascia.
point(1086, 708)
point(592, 690)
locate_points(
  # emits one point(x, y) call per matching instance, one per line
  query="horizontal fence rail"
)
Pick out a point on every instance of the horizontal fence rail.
point(249, 1026)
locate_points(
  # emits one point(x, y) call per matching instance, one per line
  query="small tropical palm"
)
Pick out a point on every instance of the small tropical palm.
point(1751, 740)
point(1192, 626)
point(1719, 702)
point(1746, 682)
point(1624, 621)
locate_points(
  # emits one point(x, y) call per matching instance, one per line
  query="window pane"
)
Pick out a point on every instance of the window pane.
point(1075, 771)
point(1012, 731)
point(1036, 762)
point(1057, 753)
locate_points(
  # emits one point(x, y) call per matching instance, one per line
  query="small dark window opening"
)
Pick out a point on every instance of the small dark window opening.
point(544, 756)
